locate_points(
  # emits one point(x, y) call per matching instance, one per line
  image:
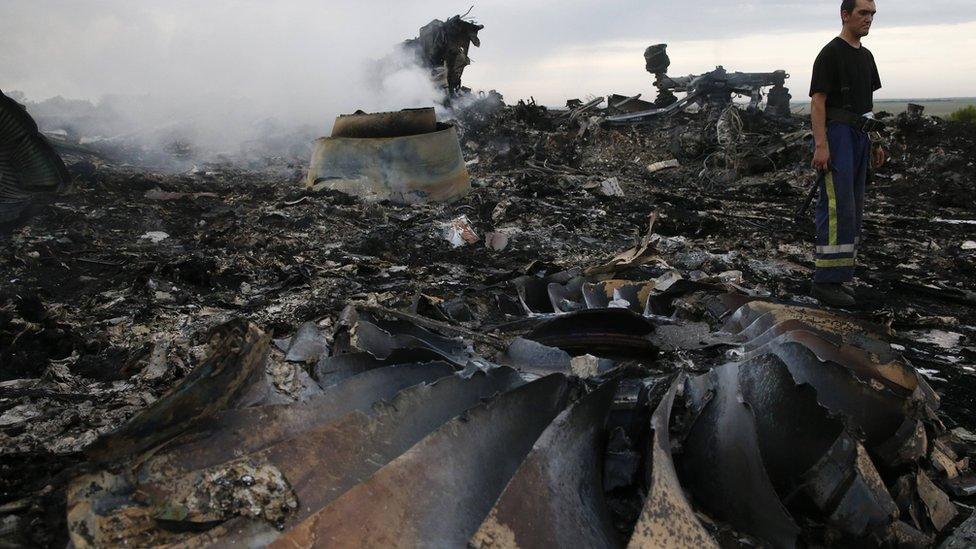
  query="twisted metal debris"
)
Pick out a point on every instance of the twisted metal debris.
point(409, 438)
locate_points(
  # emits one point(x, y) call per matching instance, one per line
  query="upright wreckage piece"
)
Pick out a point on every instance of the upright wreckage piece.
point(29, 167)
point(442, 47)
point(405, 157)
point(713, 90)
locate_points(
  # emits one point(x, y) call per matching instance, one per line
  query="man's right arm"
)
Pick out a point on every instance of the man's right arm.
point(818, 121)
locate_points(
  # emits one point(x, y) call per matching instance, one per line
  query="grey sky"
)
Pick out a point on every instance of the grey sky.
point(305, 52)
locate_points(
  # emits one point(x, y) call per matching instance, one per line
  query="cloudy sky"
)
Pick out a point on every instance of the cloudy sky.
point(311, 52)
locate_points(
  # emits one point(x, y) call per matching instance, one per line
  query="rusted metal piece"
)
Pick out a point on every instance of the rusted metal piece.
point(234, 433)
point(605, 332)
point(438, 493)
point(101, 513)
point(636, 294)
point(330, 458)
point(940, 510)
point(397, 340)
point(28, 163)
point(385, 124)
point(725, 433)
point(555, 498)
point(407, 169)
point(667, 519)
point(755, 317)
point(233, 369)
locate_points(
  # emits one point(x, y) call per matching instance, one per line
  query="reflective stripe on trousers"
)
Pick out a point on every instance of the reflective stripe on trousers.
point(841, 205)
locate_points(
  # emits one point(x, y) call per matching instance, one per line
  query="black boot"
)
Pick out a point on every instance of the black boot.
point(832, 294)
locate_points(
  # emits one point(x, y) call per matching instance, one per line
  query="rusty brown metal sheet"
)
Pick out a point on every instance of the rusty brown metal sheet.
point(385, 124)
point(667, 520)
point(325, 461)
point(233, 432)
point(408, 169)
point(599, 295)
point(768, 314)
point(555, 498)
point(234, 367)
point(438, 493)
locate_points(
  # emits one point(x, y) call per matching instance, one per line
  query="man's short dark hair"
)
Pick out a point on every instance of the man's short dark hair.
point(848, 5)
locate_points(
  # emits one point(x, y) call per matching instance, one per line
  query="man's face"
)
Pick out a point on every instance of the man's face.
point(859, 22)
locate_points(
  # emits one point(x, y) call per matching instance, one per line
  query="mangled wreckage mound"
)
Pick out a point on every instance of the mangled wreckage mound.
point(812, 429)
point(405, 157)
point(29, 167)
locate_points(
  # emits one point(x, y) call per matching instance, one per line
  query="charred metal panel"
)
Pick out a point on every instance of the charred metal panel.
point(231, 371)
point(668, 519)
point(722, 465)
point(385, 124)
point(598, 331)
point(438, 493)
point(328, 459)
point(233, 432)
point(556, 497)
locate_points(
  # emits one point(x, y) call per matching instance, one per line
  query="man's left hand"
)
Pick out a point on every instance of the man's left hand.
point(879, 157)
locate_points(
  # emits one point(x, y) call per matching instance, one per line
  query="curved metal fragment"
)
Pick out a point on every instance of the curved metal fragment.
point(555, 498)
point(768, 314)
point(28, 163)
point(407, 169)
point(792, 429)
point(385, 124)
point(568, 297)
point(636, 294)
point(325, 461)
point(392, 340)
point(238, 432)
point(531, 356)
point(233, 368)
point(845, 484)
point(667, 519)
point(533, 291)
point(844, 383)
point(597, 332)
point(438, 492)
point(722, 466)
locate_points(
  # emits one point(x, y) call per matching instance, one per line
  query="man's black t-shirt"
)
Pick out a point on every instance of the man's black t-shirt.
point(861, 71)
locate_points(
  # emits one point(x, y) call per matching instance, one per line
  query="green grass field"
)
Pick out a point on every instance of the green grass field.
point(934, 107)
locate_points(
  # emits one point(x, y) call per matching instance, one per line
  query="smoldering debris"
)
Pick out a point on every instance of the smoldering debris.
point(286, 357)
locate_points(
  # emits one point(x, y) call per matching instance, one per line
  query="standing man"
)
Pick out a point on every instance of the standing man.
point(845, 78)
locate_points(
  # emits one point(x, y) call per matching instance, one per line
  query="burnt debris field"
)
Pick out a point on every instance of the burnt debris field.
point(586, 326)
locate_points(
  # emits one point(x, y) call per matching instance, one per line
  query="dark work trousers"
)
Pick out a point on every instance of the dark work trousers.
point(841, 205)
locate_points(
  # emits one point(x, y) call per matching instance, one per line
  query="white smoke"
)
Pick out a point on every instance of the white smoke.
point(223, 76)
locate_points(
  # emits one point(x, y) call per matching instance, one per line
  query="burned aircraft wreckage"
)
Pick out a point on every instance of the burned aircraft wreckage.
point(442, 47)
point(649, 398)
